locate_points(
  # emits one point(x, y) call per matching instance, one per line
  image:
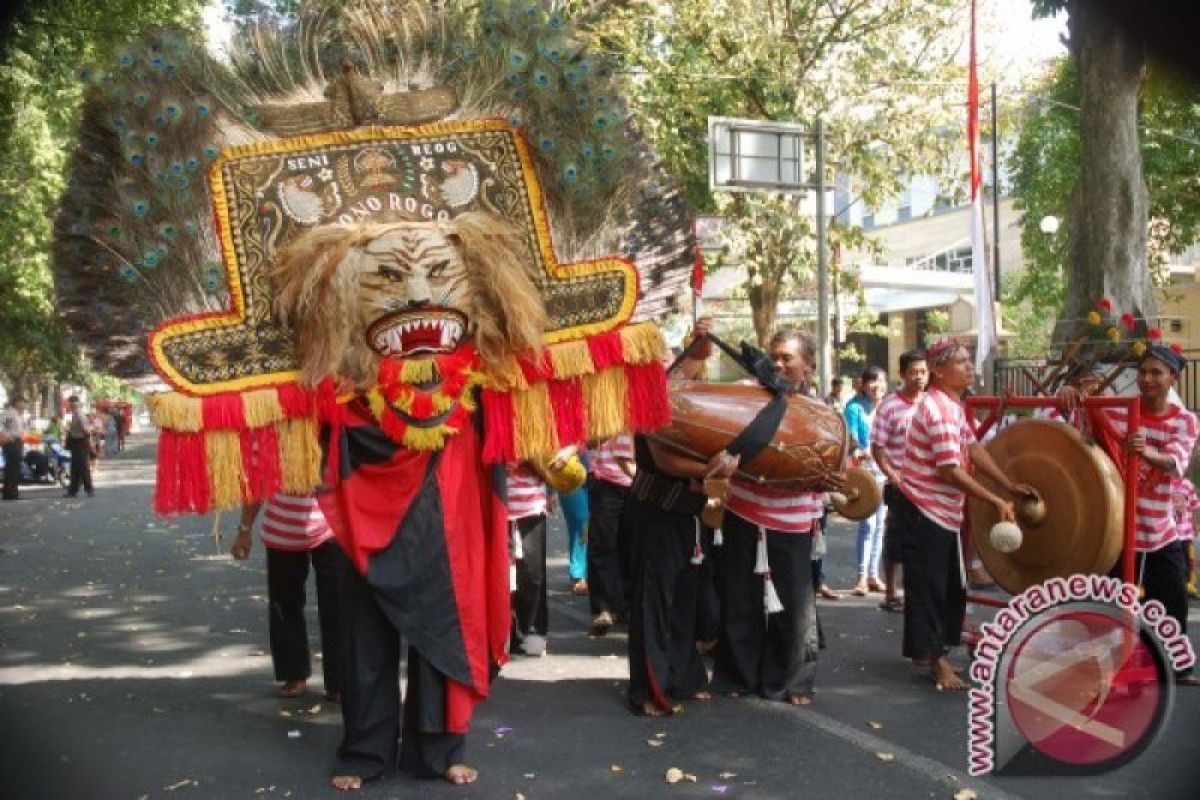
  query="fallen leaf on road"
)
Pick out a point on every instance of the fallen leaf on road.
point(726, 775)
point(687, 776)
point(617, 768)
point(655, 742)
point(315, 709)
point(965, 794)
point(660, 736)
point(719, 788)
point(285, 713)
point(885, 756)
point(674, 775)
point(180, 785)
point(294, 734)
point(876, 725)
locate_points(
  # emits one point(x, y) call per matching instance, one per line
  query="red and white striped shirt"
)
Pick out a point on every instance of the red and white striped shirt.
point(526, 493)
point(294, 523)
point(1186, 503)
point(604, 464)
point(938, 436)
point(786, 512)
point(1173, 433)
point(890, 431)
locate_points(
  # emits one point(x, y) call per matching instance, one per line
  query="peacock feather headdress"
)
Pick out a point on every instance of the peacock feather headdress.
point(194, 170)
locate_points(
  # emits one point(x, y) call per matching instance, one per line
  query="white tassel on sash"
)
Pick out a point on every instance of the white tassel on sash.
point(698, 548)
point(518, 553)
point(761, 567)
point(718, 537)
point(771, 597)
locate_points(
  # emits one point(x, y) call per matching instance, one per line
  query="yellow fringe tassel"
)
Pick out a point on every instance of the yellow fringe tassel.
point(225, 473)
point(534, 436)
point(299, 455)
point(571, 359)
point(504, 377)
point(643, 344)
point(604, 399)
point(433, 438)
point(442, 402)
point(422, 370)
point(376, 401)
point(173, 411)
point(261, 408)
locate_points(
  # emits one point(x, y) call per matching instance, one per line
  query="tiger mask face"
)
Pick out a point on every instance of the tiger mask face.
point(358, 293)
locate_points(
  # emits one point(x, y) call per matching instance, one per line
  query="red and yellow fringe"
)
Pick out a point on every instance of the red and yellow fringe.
point(220, 451)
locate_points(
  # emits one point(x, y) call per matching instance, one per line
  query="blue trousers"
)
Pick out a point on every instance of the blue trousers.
point(575, 509)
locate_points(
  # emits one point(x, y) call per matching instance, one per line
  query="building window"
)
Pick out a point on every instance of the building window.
point(868, 221)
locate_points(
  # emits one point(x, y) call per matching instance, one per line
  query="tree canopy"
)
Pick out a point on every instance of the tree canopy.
point(40, 96)
point(1045, 167)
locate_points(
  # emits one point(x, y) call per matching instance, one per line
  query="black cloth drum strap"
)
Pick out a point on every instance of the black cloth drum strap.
point(756, 436)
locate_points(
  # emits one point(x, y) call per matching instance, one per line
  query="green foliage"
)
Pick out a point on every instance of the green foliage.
point(1045, 165)
point(40, 95)
point(873, 70)
point(937, 321)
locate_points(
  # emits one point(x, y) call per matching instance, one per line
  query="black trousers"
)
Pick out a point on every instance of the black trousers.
point(12, 469)
point(371, 703)
point(771, 655)
point(287, 576)
point(607, 576)
point(663, 661)
point(530, 612)
point(934, 596)
point(708, 600)
point(893, 530)
point(81, 465)
point(1164, 577)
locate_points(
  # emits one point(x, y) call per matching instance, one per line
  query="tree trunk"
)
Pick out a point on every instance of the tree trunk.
point(1108, 206)
point(764, 309)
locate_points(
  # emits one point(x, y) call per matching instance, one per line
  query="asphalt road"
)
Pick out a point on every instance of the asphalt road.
point(133, 665)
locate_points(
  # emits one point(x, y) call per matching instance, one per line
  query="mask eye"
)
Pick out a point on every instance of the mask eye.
point(393, 275)
point(438, 268)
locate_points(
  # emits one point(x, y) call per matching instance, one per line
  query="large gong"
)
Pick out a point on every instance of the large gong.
point(1078, 526)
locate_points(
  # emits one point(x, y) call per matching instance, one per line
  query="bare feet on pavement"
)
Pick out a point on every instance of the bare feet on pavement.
point(461, 774)
point(945, 678)
point(346, 783)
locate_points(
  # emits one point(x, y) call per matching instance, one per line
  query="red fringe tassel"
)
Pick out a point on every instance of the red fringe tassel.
point(646, 397)
point(606, 350)
point(498, 446)
point(260, 459)
point(296, 401)
point(566, 399)
point(223, 412)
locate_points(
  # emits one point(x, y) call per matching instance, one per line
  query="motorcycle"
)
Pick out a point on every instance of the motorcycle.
point(45, 461)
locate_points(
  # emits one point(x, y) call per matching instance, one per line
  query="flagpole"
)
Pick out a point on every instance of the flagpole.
point(995, 196)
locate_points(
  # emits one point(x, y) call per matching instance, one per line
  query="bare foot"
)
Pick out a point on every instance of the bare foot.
point(647, 709)
point(925, 662)
point(346, 783)
point(945, 678)
point(800, 699)
point(292, 689)
point(702, 695)
point(461, 774)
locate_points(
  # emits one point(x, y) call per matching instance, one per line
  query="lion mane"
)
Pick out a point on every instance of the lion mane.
point(318, 280)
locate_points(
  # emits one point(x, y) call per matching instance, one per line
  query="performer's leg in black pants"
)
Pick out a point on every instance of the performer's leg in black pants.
point(81, 466)
point(740, 644)
point(287, 573)
point(529, 608)
point(663, 661)
point(12, 469)
point(934, 598)
point(708, 602)
point(606, 505)
point(1164, 577)
point(371, 707)
point(789, 659)
point(330, 565)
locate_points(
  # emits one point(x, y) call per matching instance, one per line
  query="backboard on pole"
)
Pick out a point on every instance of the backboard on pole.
point(746, 155)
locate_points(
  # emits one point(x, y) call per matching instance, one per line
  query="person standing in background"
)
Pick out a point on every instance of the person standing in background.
point(12, 428)
point(79, 443)
point(295, 532)
point(860, 417)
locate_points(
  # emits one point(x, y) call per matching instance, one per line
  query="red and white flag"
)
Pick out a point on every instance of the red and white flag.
point(697, 275)
point(985, 326)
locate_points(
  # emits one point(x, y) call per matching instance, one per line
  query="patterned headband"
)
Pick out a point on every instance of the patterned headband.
point(941, 350)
